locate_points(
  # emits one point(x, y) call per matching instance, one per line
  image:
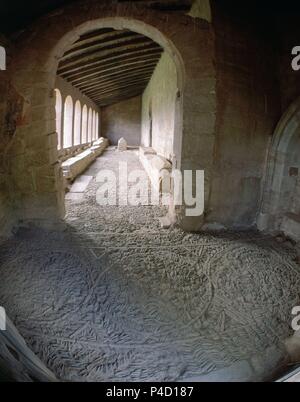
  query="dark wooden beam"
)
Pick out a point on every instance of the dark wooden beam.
point(110, 65)
point(103, 45)
point(113, 66)
point(109, 56)
point(120, 85)
point(82, 44)
point(115, 76)
point(118, 97)
point(89, 56)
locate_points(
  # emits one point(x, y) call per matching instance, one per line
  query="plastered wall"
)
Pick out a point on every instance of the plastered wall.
point(248, 109)
point(158, 105)
point(123, 120)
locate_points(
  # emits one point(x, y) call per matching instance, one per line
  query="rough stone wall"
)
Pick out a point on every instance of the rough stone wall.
point(199, 114)
point(36, 183)
point(158, 104)
point(11, 112)
point(248, 108)
point(123, 120)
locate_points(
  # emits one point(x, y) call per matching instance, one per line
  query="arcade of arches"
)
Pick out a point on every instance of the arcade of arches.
point(148, 292)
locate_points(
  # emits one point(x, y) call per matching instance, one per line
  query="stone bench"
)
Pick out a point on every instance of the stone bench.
point(99, 146)
point(156, 167)
point(146, 151)
point(76, 165)
point(291, 225)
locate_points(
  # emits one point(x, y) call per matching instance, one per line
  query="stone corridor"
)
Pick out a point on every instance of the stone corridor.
point(111, 296)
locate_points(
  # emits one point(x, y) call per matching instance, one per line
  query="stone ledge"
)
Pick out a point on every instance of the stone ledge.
point(156, 167)
point(76, 165)
point(291, 226)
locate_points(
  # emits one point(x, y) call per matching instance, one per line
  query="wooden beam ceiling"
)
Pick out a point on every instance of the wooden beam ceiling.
point(109, 66)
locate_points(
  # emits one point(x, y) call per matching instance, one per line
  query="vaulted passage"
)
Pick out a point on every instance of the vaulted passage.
point(149, 190)
point(119, 84)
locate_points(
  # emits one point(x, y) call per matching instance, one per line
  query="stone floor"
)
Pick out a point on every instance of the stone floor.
point(113, 296)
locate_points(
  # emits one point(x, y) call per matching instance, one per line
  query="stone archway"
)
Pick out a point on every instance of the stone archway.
point(34, 70)
point(280, 209)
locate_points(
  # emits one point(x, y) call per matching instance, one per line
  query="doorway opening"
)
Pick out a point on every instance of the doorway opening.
point(280, 211)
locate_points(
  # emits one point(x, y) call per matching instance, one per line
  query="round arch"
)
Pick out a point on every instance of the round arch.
point(282, 171)
point(68, 122)
point(120, 23)
point(77, 123)
point(174, 39)
point(138, 26)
